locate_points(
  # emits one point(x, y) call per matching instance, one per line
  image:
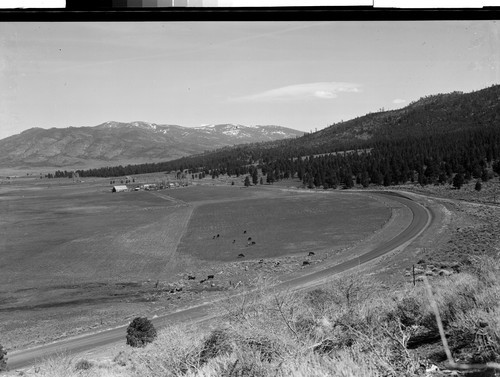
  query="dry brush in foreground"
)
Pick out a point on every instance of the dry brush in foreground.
point(351, 327)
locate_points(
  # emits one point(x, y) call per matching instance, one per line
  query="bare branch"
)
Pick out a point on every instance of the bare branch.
point(451, 362)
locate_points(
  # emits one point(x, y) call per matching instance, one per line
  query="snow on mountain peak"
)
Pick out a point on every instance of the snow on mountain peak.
point(144, 125)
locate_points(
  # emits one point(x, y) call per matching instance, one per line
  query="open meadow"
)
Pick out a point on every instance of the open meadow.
point(76, 257)
point(275, 223)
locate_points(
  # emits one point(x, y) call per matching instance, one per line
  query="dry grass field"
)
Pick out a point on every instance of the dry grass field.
point(373, 322)
point(75, 255)
point(280, 224)
point(353, 326)
point(77, 258)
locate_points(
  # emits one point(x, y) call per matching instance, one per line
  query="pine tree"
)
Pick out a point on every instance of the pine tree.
point(478, 186)
point(255, 178)
point(458, 180)
point(484, 175)
point(364, 179)
point(270, 177)
point(247, 181)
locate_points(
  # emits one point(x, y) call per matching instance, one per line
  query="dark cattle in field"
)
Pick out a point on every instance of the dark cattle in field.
point(305, 263)
point(217, 236)
point(253, 242)
point(310, 253)
point(244, 232)
point(249, 238)
point(202, 281)
point(191, 277)
point(234, 241)
point(241, 255)
point(213, 237)
point(210, 277)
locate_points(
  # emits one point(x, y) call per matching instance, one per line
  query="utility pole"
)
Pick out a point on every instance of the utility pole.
point(413, 275)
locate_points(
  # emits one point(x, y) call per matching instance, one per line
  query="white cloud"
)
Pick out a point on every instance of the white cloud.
point(398, 101)
point(321, 90)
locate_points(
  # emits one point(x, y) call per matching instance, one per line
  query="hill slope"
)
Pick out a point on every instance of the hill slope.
point(114, 143)
point(457, 129)
point(432, 115)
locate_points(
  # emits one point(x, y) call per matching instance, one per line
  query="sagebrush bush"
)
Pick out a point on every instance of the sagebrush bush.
point(409, 311)
point(267, 349)
point(83, 365)
point(3, 359)
point(218, 342)
point(342, 329)
point(318, 299)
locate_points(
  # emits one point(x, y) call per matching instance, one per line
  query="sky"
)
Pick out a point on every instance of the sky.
point(302, 75)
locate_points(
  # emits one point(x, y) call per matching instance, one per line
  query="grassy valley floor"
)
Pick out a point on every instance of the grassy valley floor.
point(369, 322)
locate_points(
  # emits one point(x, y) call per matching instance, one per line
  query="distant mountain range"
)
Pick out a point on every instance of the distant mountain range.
point(116, 143)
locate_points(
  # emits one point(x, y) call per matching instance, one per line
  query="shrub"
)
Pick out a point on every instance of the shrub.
point(3, 359)
point(83, 365)
point(244, 366)
point(140, 332)
point(121, 359)
point(265, 348)
point(409, 311)
point(216, 344)
point(319, 298)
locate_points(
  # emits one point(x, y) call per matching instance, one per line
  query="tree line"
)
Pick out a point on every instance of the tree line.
point(465, 154)
point(441, 138)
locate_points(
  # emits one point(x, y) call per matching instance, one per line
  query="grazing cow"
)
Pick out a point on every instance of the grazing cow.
point(213, 237)
point(217, 236)
point(241, 255)
point(210, 277)
point(253, 242)
point(276, 263)
point(305, 263)
point(249, 238)
point(310, 253)
point(202, 281)
point(191, 277)
point(244, 232)
point(261, 261)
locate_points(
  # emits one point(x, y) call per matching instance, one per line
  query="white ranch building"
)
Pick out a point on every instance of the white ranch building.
point(119, 188)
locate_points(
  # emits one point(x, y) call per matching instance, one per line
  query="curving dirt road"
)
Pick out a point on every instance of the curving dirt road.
point(420, 221)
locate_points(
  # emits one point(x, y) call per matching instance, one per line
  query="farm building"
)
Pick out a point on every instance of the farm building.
point(119, 188)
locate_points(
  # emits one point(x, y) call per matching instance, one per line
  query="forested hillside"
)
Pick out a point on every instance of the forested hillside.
point(437, 139)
